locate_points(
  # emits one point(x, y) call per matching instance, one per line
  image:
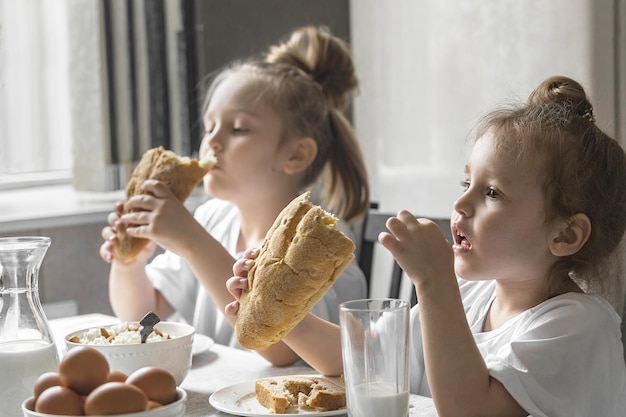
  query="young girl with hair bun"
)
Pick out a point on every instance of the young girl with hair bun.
point(514, 318)
point(277, 127)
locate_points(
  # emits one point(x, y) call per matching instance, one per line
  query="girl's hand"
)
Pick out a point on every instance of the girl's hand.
point(158, 215)
point(419, 247)
point(239, 282)
point(109, 235)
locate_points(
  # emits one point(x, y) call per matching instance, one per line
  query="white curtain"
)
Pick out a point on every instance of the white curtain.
point(35, 140)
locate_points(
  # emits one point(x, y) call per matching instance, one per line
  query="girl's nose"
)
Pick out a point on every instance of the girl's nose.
point(211, 141)
point(204, 145)
point(463, 205)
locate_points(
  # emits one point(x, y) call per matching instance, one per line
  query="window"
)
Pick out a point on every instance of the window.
point(35, 137)
point(87, 87)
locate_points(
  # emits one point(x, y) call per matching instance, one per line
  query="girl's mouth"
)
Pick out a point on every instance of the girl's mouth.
point(460, 240)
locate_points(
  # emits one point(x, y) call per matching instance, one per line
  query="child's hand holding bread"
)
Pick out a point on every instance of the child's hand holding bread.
point(179, 174)
point(301, 257)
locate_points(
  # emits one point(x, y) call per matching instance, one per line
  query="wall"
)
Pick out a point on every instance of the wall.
point(234, 29)
point(72, 272)
point(429, 69)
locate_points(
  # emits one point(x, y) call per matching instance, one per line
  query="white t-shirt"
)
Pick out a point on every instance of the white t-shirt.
point(562, 358)
point(172, 276)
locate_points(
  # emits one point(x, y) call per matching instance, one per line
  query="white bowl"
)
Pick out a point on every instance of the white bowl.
point(175, 409)
point(173, 355)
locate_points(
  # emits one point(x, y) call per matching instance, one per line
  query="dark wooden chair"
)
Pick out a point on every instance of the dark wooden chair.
point(372, 225)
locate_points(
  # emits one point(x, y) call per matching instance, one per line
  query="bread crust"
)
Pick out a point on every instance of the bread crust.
point(181, 175)
point(271, 395)
point(301, 257)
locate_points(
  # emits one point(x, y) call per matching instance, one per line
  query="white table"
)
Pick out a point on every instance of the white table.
point(217, 367)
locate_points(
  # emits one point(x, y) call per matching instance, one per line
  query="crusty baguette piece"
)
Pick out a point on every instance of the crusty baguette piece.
point(279, 393)
point(180, 174)
point(303, 254)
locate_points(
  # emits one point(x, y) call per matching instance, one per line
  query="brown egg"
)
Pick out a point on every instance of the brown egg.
point(30, 403)
point(118, 376)
point(46, 380)
point(83, 368)
point(158, 384)
point(59, 400)
point(153, 404)
point(115, 398)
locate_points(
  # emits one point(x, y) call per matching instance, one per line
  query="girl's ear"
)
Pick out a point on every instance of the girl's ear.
point(571, 235)
point(302, 154)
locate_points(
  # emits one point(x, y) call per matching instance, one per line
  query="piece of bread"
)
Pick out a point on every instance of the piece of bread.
point(271, 394)
point(303, 254)
point(180, 174)
point(320, 393)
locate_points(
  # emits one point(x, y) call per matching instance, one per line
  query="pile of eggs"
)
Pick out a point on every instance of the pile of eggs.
point(86, 386)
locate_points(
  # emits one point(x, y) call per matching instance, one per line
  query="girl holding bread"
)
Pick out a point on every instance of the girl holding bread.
point(276, 126)
point(513, 318)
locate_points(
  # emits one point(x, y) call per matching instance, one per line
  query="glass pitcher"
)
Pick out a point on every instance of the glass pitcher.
point(27, 347)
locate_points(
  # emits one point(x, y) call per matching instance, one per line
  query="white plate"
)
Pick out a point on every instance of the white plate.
point(240, 399)
point(201, 343)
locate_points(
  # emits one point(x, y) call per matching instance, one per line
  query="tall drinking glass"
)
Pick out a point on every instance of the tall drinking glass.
point(375, 346)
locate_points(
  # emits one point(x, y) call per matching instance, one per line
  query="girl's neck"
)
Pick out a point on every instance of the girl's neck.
point(512, 299)
point(520, 296)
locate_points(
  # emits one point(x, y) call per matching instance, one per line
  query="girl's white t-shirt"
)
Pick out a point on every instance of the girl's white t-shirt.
point(172, 276)
point(562, 358)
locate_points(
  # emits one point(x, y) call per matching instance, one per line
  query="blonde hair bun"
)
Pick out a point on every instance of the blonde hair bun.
point(565, 92)
point(325, 57)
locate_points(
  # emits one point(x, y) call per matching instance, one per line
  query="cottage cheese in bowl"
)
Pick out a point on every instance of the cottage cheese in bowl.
point(119, 334)
point(169, 346)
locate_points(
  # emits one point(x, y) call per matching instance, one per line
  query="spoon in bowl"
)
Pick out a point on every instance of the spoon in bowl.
point(148, 322)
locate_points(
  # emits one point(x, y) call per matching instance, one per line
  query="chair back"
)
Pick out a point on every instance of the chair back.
point(374, 223)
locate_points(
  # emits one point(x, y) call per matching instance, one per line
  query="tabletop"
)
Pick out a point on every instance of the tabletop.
point(217, 367)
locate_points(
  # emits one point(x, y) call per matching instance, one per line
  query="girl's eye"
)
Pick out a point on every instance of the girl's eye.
point(208, 130)
point(465, 184)
point(239, 129)
point(491, 193)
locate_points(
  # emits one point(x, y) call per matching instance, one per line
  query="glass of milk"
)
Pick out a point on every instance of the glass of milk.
point(375, 346)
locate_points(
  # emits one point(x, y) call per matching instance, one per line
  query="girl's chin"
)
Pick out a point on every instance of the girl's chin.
point(211, 187)
point(208, 191)
point(465, 271)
